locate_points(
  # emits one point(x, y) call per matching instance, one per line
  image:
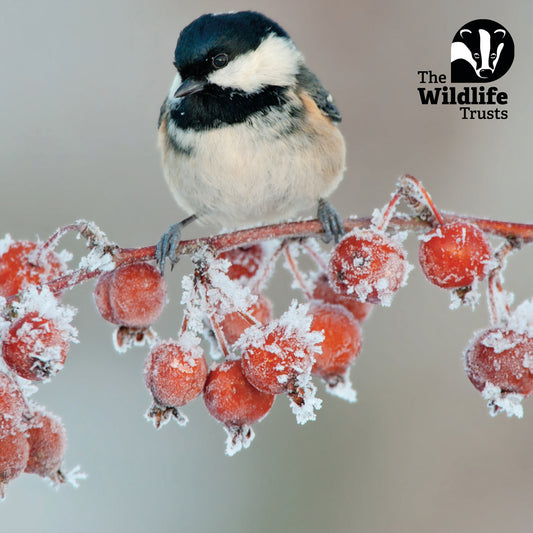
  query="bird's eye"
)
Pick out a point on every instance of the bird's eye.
point(220, 60)
point(476, 56)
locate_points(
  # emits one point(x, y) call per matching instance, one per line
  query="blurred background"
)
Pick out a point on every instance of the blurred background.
point(80, 90)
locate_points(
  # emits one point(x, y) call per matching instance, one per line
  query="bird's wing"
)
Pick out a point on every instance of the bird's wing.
point(162, 112)
point(322, 98)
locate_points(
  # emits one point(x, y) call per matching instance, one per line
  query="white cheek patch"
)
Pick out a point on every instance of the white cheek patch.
point(274, 62)
point(175, 84)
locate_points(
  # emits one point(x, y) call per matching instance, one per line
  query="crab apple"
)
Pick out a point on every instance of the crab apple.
point(231, 399)
point(323, 291)
point(18, 269)
point(12, 405)
point(101, 296)
point(275, 363)
point(233, 324)
point(503, 358)
point(47, 438)
point(245, 261)
point(132, 295)
point(369, 265)
point(14, 453)
point(175, 374)
point(35, 347)
point(342, 339)
point(454, 255)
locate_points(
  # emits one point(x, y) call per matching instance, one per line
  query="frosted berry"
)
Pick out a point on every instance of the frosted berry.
point(503, 358)
point(233, 324)
point(454, 255)
point(275, 363)
point(132, 295)
point(17, 272)
point(342, 339)
point(324, 292)
point(12, 405)
point(245, 260)
point(368, 265)
point(47, 438)
point(175, 375)
point(35, 347)
point(101, 297)
point(14, 452)
point(231, 399)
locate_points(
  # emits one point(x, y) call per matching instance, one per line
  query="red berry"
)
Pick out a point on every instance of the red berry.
point(132, 295)
point(342, 339)
point(14, 451)
point(454, 255)
point(47, 438)
point(368, 265)
point(12, 405)
point(101, 296)
point(175, 375)
point(324, 292)
point(231, 399)
point(503, 358)
point(244, 260)
point(17, 272)
point(35, 347)
point(234, 324)
point(276, 359)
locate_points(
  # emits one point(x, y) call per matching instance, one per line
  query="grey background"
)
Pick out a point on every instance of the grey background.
point(80, 89)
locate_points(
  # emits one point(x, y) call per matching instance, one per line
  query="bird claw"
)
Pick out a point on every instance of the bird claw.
point(330, 220)
point(167, 246)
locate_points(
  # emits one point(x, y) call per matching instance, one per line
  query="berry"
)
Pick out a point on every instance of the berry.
point(324, 292)
point(245, 260)
point(233, 324)
point(12, 405)
point(35, 347)
point(454, 255)
point(132, 295)
point(18, 269)
point(101, 296)
point(276, 359)
point(175, 374)
point(342, 339)
point(503, 358)
point(231, 399)
point(368, 265)
point(14, 452)
point(47, 438)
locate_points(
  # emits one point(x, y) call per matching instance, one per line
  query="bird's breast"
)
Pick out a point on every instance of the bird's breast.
point(266, 168)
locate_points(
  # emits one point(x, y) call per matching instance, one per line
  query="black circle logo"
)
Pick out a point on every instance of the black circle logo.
point(482, 51)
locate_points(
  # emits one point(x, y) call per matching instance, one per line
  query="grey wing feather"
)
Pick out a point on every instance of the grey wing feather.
point(323, 99)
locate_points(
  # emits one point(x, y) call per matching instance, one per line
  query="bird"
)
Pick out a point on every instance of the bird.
point(247, 133)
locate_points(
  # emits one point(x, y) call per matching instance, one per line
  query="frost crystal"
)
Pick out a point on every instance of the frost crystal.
point(304, 402)
point(5, 243)
point(74, 476)
point(239, 437)
point(45, 304)
point(521, 320)
point(342, 388)
point(509, 402)
point(219, 296)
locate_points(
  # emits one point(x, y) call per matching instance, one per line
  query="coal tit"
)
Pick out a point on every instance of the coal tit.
point(247, 132)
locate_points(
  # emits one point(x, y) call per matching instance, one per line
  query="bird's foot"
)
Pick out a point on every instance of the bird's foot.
point(168, 244)
point(330, 220)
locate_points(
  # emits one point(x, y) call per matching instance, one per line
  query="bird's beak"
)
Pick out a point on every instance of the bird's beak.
point(189, 86)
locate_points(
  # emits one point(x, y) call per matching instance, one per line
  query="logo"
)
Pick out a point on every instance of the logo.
point(482, 52)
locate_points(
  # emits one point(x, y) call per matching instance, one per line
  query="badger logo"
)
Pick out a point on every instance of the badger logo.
point(482, 51)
